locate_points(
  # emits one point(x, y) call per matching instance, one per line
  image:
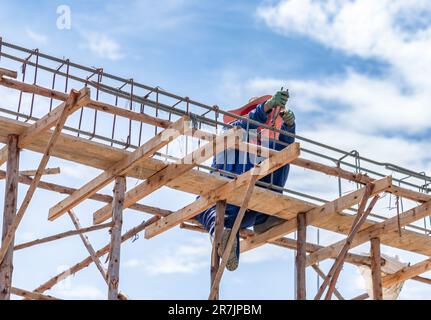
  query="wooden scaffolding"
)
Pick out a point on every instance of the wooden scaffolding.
point(50, 136)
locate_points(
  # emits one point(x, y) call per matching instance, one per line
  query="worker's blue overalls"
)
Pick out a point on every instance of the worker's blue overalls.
point(251, 217)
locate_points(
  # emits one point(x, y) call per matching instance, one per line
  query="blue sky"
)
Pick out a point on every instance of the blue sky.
point(358, 75)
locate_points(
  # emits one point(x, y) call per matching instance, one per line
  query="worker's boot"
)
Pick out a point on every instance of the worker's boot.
point(233, 260)
point(268, 224)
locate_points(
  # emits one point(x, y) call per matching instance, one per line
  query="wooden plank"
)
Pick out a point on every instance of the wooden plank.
point(322, 213)
point(101, 156)
point(171, 171)
point(31, 295)
point(386, 227)
point(62, 235)
point(145, 151)
point(47, 171)
point(376, 270)
point(8, 239)
point(406, 273)
point(8, 73)
point(269, 165)
point(301, 255)
point(217, 236)
point(10, 205)
point(214, 292)
point(115, 248)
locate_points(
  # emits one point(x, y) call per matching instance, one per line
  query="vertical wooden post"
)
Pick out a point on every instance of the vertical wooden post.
point(115, 247)
point(218, 231)
point(10, 206)
point(376, 272)
point(301, 256)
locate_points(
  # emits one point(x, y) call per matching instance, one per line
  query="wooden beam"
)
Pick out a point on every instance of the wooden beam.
point(336, 267)
point(115, 248)
point(47, 171)
point(31, 295)
point(97, 196)
point(214, 292)
point(8, 73)
point(145, 151)
point(339, 262)
point(301, 255)
point(217, 237)
point(49, 120)
point(92, 252)
point(376, 270)
point(379, 229)
point(269, 165)
point(172, 171)
point(62, 235)
point(321, 213)
point(361, 297)
point(87, 244)
point(10, 205)
point(323, 276)
point(69, 105)
point(406, 273)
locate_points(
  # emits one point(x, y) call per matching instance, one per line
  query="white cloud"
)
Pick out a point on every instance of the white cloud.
point(374, 114)
point(103, 46)
point(79, 292)
point(263, 254)
point(186, 258)
point(39, 38)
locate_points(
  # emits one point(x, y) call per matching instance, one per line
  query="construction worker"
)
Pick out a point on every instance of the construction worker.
point(262, 110)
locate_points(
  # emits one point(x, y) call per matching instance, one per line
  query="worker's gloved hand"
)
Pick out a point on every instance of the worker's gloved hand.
point(278, 99)
point(288, 117)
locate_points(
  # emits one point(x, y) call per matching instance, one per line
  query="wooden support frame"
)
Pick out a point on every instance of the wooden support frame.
point(10, 205)
point(376, 269)
point(323, 276)
point(87, 244)
point(384, 234)
point(217, 236)
point(269, 165)
point(87, 261)
point(71, 103)
point(301, 255)
point(115, 247)
point(379, 229)
point(172, 171)
point(145, 151)
point(214, 292)
point(326, 211)
point(360, 218)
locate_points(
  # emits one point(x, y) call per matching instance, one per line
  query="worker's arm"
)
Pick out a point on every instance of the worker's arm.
point(257, 114)
point(289, 126)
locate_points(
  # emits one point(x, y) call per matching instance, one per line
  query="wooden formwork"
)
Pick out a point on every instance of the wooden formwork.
point(46, 136)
